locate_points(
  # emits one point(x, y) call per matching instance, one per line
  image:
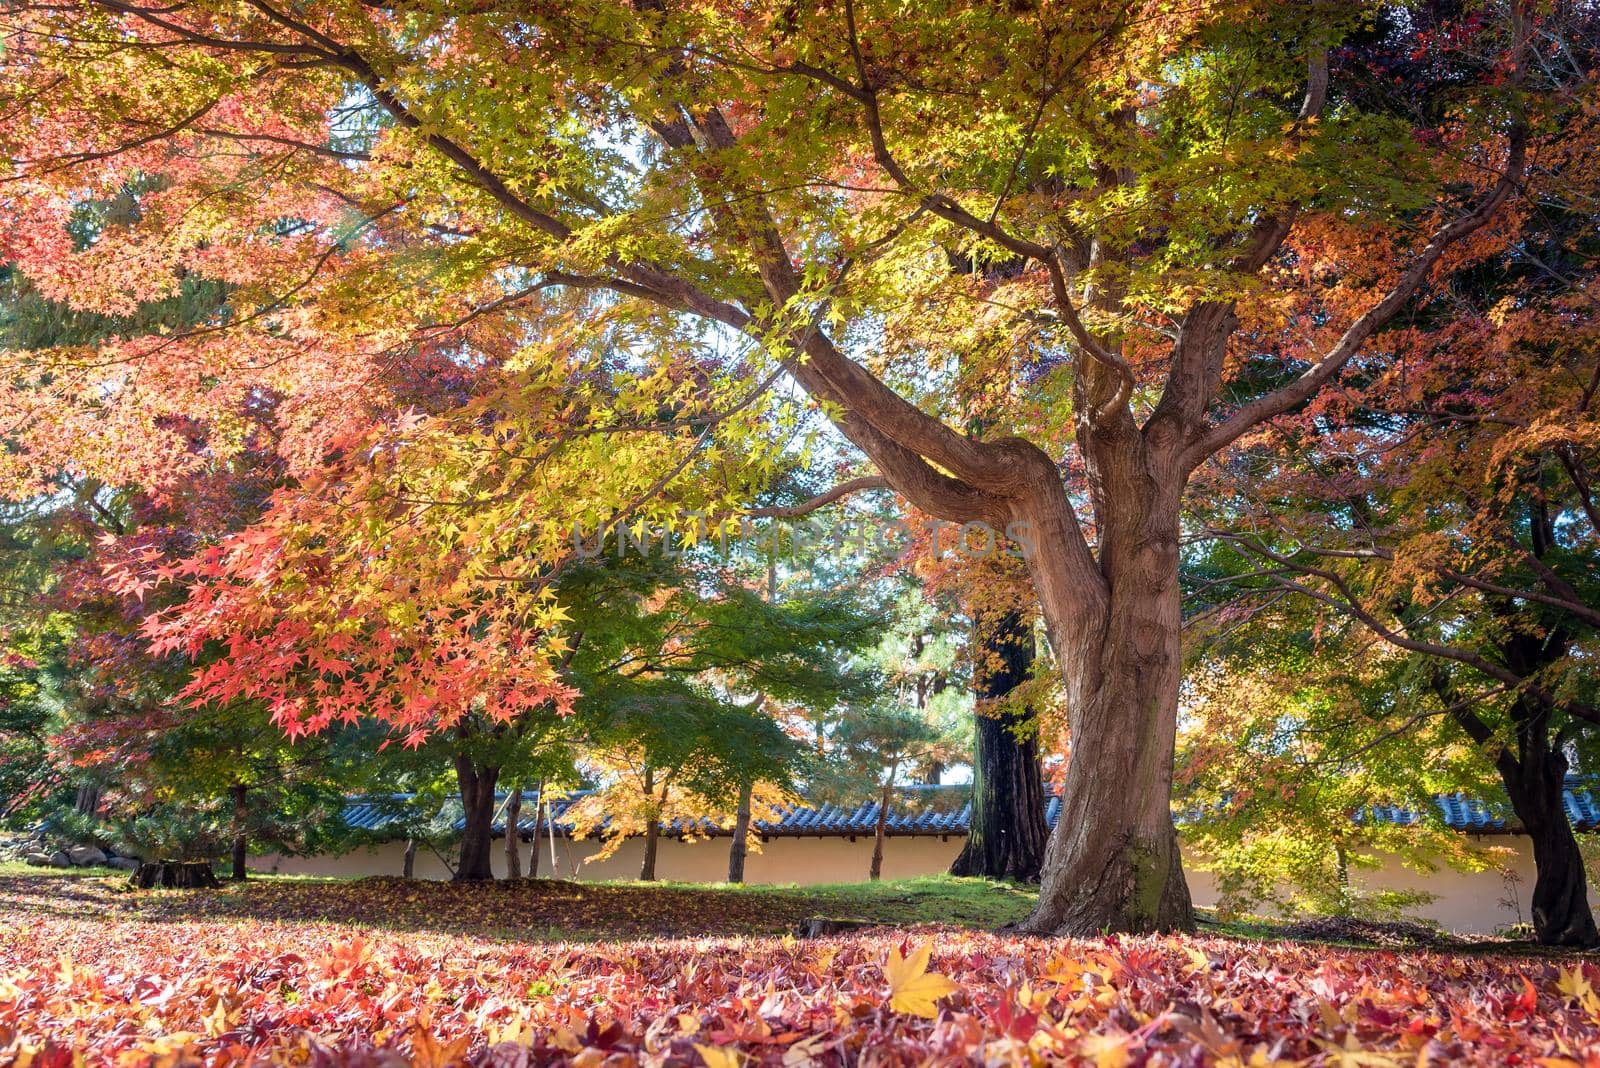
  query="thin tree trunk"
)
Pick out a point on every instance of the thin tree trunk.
point(241, 838)
point(741, 834)
point(1341, 860)
point(550, 833)
point(410, 869)
point(477, 806)
point(514, 834)
point(538, 818)
point(1112, 861)
point(879, 829)
point(652, 830)
point(1006, 833)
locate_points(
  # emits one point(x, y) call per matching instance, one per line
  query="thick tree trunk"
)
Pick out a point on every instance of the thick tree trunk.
point(514, 834)
point(241, 818)
point(538, 819)
point(477, 805)
point(879, 830)
point(1534, 772)
point(409, 870)
point(1561, 913)
point(87, 802)
point(174, 875)
point(741, 834)
point(1112, 862)
point(1007, 833)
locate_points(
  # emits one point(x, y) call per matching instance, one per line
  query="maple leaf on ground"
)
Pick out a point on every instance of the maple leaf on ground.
point(719, 1056)
point(912, 988)
point(234, 976)
point(1107, 1050)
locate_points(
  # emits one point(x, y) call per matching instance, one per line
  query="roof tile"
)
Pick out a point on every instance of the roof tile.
point(947, 810)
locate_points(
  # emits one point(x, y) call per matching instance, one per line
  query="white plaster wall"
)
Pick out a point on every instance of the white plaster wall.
point(782, 860)
point(1470, 901)
point(1465, 901)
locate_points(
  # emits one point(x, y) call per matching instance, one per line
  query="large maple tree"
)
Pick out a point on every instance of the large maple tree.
point(750, 195)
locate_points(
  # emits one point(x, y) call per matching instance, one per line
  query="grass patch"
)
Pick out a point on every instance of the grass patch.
point(924, 899)
point(11, 868)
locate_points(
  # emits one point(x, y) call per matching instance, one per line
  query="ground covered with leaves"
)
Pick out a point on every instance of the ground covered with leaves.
point(527, 910)
point(89, 972)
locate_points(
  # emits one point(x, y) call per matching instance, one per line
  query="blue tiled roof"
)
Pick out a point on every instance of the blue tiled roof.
point(947, 810)
point(922, 810)
point(374, 812)
point(1472, 815)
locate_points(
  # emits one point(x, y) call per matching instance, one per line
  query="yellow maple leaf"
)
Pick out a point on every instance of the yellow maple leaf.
point(719, 1056)
point(1574, 984)
point(912, 988)
point(1108, 1050)
point(429, 1052)
point(216, 1020)
point(804, 1054)
point(1351, 1055)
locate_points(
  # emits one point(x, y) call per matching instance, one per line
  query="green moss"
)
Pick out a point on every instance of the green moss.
point(1150, 871)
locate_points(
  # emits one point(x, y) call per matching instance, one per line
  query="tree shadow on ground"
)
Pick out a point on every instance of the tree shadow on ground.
point(524, 910)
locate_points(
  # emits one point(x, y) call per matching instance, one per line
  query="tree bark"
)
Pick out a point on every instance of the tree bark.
point(409, 869)
point(538, 819)
point(241, 839)
point(652, 831)
point(879, 830)
point(87, 802)
point(1007, 832)
point(514, 834)
point(741, 834)
point(1112, 861)
point(174, 875)
point(477, 806)
point(1341, 861)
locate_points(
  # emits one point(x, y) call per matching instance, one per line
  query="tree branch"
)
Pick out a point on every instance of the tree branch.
point(1319, 373)
point(821, 500)
point(1374, 318)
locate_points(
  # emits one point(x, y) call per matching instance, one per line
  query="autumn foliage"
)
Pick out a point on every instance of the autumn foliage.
point(222, 992)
